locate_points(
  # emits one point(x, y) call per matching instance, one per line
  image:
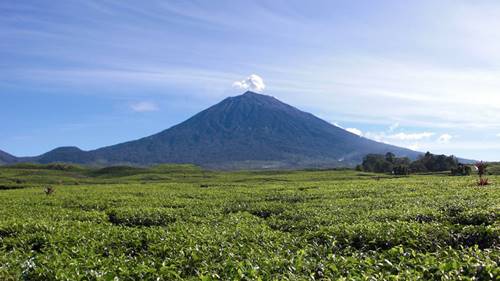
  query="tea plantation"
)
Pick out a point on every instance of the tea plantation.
point(180, 222)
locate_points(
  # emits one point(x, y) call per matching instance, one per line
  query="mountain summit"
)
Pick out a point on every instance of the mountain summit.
point(247, 131)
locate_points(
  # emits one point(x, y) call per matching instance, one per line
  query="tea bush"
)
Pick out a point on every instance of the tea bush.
point(296, 225)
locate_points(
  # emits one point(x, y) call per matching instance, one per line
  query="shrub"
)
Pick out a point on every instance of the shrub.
point(482, 182)
point(481, 170)
point(141, 216)
point(461, 170)
point(49, 190)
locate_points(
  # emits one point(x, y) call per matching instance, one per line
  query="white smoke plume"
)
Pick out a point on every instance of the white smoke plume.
point(253, 83)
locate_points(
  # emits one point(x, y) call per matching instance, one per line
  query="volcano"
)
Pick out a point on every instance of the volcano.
point(250, 131)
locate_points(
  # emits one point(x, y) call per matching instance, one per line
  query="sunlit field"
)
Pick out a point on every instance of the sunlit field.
point(180, 222)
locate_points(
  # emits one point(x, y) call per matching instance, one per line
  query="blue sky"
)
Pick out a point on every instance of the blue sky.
point(419, 74)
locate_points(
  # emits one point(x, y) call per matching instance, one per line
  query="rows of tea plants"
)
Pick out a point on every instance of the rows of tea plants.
point(301, 225)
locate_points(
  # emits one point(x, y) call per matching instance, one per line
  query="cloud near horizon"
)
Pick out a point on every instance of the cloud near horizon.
point(410, 136)
point(393, 127)
point(444, 138)
point(355, 131)
point(253, 83)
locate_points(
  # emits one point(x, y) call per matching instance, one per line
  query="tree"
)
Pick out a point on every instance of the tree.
point(376, 163)
point(389, 157)
point(428, 162)
point(418, 167)
point(401, 170)
point(435, 163)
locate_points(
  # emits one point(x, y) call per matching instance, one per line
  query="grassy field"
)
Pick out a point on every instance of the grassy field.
point(179, 222)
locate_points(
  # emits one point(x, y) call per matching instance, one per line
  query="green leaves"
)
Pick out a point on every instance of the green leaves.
point(309, 225)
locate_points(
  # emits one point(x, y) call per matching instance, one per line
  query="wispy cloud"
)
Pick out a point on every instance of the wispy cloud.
point(144, 106)
point(410, 136)
point(440, 76)
point(415, 93)
point(384, 137)
point(340, 126)
point(444, 138)
point(393, 127)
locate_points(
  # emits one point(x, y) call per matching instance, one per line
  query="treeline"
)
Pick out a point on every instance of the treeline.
point(428, 162)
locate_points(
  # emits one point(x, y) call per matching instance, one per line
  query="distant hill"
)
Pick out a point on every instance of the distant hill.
point(6, 158)
point(250, 131)
point(63, 154)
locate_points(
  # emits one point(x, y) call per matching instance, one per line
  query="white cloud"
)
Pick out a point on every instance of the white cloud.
point(355, 131)
point(350, 130)
point(380, 137)
point(393, 127)
point(413, 141)
point(144, 106)
point(444, 138)
point(340, 126)
point(413, 146)
point(498, 135)
point(253, 83)
point(411, 136)
point(400, 139)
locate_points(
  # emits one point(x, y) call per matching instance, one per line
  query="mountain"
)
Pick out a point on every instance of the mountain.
point(70, 154)
point(247, 131)
point(6, 158)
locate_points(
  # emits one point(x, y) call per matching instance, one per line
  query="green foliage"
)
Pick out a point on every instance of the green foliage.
point(119, 171)
point(140, 216)
point(434, 163)
point(376, 163)
point(494, 168)
point(401, 170)
point(461, 170)
point(159, 224)
point(387, 163)
point(51, 166)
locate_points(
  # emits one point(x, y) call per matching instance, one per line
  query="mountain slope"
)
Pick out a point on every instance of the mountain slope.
point(247, 131)
point(6, 158)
